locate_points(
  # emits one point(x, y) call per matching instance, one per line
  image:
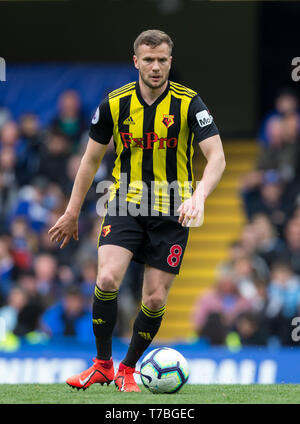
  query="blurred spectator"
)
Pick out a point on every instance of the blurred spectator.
point(70, 120)
point(88, 280)
point(29, 316)
point(250, 330)
point(22, 244)
point(268, 245)
point(245, 250)
point(284, 301)
point(32, 140)
point(7, 268)
point(10, 138)
point(292, 238)
point(69, 317)
point(46, 268)
point(215, 311)
point(16, 302)
point(286, 104)
point(66, 276)
point(8, 184)
point(29, 205)
point(265, 193)
point(34, 308)
point(281, 154)
point(54, 157)
point(246, 276)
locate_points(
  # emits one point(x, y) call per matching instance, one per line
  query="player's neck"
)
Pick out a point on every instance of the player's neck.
point(151, 94)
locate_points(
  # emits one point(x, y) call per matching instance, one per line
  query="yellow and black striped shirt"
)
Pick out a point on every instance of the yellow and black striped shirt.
point(153, 143)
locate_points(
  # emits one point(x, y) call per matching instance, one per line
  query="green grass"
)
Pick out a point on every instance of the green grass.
point(190, 394)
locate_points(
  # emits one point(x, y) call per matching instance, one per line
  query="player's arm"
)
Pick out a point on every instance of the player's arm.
point(207, 135)
point(100, 135)
point(67, 224)
point(213, 151)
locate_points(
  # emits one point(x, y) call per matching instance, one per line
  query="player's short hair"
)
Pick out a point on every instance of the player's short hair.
point(152, 38)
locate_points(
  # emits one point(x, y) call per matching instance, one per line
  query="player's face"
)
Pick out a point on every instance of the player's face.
point(154, 64)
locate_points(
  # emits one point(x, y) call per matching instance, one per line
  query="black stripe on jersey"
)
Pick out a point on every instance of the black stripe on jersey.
point(121, 92)
point(181, 93)
point(147, 164)
point(171, 154)
point(124, 112)
point(121, 89)
point(183, 88)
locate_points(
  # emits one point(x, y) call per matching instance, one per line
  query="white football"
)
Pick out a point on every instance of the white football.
point(164, 370)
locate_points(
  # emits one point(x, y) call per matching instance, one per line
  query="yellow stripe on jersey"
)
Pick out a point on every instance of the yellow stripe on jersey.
point(161, 196)
point(114, 104)
point(135, 189)
point(121, 89)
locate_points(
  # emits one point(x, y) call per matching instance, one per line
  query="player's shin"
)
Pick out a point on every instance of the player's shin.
point(105, 309)
point(145, 328)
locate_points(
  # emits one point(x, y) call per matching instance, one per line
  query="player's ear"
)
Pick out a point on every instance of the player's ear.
point(135, 61)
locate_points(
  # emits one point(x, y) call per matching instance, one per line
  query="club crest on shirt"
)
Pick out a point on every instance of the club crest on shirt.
point(168, 120)
point(106, 230)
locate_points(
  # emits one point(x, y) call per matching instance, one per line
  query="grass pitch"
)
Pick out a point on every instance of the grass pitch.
point(189, 394)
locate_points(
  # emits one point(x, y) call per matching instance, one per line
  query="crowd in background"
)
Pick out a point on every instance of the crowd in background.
point(257, 292)
point(42, 287)
point(45, 288)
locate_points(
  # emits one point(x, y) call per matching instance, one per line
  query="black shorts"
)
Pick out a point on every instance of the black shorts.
point(158, 241)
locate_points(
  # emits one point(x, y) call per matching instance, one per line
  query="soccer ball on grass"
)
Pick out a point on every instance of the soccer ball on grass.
point(164, 370)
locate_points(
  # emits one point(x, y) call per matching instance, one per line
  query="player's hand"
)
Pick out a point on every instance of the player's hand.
point(65, 227)
point(191, 211)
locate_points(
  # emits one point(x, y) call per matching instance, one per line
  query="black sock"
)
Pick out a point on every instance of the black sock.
point(145, 328)
point(105, 309)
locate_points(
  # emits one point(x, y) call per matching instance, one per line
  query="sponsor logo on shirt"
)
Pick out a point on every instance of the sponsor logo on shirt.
point(204, 118)
point(148, 141)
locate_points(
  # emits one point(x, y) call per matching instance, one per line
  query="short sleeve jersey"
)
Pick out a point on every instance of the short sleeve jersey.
point(153, 143)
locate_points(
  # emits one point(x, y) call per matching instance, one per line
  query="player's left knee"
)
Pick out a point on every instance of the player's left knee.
point(155, 301)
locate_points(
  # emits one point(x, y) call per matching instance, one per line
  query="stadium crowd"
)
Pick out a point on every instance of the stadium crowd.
point(257, 292)
point(45, 288)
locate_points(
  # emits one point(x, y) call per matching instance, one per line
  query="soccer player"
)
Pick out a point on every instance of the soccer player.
point(153, 123)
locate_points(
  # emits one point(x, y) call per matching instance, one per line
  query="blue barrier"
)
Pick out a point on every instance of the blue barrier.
point(53, 362)
point(36, 87)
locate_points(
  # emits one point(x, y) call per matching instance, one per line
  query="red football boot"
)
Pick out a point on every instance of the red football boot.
point(124, 379)
point(101, 372)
